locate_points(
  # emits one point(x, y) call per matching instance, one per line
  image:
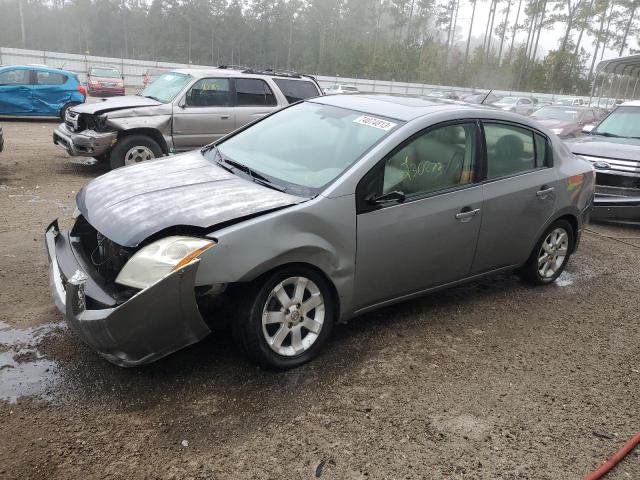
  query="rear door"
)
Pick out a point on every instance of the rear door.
point(254, 100)
point(519, 194)
point(205, 114)
point(16, 97)
point(50, 92)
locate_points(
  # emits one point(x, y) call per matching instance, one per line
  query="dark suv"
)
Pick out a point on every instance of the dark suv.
point(613, 147)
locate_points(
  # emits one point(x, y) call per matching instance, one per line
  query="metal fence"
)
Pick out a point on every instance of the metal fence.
point(134, 70)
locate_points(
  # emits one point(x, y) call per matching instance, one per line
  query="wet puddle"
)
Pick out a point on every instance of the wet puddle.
point(24, 371)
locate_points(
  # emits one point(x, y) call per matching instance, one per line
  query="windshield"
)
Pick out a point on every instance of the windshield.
point(166, 86)
point(556, 113)
point(509, 100)
point(622, 122)
point(305, 147)
point(105, 72)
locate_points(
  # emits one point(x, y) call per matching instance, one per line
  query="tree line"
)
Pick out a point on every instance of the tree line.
point(401, 40)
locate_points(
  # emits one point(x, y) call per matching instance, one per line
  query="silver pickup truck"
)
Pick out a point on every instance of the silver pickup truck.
point(181, 110)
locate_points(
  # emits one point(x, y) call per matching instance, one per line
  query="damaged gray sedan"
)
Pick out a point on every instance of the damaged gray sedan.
point(319, 212)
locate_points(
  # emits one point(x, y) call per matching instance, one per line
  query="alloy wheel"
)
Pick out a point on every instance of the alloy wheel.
point(293, 316)
point(553, 252)
point(138, 154)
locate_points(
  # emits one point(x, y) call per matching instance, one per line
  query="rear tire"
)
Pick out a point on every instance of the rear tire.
point(285, 318)
point(134, 149)
point(550, 254)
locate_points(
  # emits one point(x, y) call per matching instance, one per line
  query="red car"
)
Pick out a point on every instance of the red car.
point(105, 81)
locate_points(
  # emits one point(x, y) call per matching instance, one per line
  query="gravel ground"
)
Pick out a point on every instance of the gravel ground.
point(493, 380)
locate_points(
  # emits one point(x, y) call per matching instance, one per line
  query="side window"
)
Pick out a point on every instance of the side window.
point(253, 92)
point(438, 159)
point(542, 151)
point(510, 150)
point(15, 77)
point(209, 92)
point(296, 90)
point(50, 78)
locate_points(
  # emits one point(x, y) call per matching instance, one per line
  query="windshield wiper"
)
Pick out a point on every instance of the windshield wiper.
point(607, 134)
point(151, 97)
point(226, 164)
point(255, 176)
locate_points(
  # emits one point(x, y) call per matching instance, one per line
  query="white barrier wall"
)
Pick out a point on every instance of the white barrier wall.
point(133, 71)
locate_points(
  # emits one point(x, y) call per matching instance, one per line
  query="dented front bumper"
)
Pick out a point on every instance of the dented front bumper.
point(151, 324)
point(88, 143)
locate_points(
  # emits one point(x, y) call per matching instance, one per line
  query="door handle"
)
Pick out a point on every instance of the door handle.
point(224, 117)
point(544, 191)
point(466, 213)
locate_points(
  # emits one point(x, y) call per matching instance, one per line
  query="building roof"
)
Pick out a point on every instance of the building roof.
point(629, 65)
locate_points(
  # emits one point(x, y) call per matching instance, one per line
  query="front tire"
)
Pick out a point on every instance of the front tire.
point(550, 255)
point(134, 149)
point(287, 319)
point(65, 107)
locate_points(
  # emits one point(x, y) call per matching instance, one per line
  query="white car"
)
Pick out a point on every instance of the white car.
point(571, 102)
point(340, 88)
point(521, 105)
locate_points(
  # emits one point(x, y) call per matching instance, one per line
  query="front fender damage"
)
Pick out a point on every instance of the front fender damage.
point(153, 323)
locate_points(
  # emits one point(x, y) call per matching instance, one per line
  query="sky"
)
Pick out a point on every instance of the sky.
point(548, 40)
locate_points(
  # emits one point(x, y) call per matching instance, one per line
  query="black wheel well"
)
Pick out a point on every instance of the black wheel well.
point(573, 221)
point(149, 132)
point(319, 271)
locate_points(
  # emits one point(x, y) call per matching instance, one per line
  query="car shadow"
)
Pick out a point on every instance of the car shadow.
point(215, 367)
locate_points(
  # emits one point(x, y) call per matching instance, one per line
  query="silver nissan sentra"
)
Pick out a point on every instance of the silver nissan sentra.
point(314, 214)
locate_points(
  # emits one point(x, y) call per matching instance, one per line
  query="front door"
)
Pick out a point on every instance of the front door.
point(429, 237)
point(204, 115)
point(519, 195)
point(16, 96)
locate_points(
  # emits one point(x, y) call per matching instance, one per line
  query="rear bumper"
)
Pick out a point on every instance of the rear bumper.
point(151, 324)
point(88, 143)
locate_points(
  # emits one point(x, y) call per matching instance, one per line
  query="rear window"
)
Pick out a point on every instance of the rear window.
point(296, 90)
point(254, 92)
point(50, 78)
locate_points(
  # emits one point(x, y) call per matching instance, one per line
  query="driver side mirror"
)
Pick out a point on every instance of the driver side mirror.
point(587, 129)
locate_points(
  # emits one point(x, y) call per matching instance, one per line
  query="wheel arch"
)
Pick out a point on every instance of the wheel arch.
point(302, 264)
point(570, 214)
point(149, 132)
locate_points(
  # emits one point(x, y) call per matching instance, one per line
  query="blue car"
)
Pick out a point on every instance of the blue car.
point(38, 91)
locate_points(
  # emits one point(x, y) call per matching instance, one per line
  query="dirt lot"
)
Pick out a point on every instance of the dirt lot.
point(492, 380)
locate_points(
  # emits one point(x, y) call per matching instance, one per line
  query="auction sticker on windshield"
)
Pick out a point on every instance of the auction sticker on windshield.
point(375, 122)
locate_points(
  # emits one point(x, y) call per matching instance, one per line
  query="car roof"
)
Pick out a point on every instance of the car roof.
point(399, 108)
point(572, 107)
point(229, 72)
point(39, 68)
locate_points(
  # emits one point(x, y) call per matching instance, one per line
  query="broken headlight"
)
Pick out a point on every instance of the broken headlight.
point(157, 260)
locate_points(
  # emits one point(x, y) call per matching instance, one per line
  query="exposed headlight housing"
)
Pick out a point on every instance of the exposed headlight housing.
point(160, 258)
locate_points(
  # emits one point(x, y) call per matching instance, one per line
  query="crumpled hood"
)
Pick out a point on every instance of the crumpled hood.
point(129, 204)
point(116, 103)
point(606, 147)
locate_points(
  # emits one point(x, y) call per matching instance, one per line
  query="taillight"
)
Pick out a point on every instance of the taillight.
point(82, 90)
